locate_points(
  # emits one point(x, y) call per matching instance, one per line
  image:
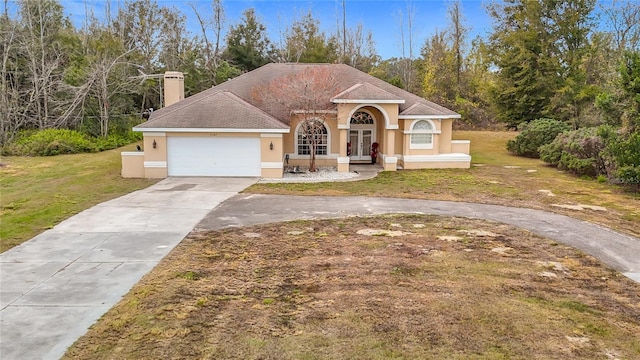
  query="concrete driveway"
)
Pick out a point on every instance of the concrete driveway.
point(53, 287)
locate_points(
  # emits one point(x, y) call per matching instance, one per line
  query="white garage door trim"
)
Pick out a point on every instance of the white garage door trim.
point(213, 156)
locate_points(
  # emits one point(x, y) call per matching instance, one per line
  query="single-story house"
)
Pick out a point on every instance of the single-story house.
point(253, 125)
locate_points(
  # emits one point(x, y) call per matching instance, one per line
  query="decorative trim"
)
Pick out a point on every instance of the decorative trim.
point(366, 101)
point(390, 159)
point(343, 159)
point(271, 135)
point(210, 130)
point(343, 126)
point(150, 133)
point(387, 120)
point(461, 141)
point(430, 117)
point(437, 158)
point(392, 127)
point(132, 153)
point(271, 165)
point(409, 132)
point(155, 164)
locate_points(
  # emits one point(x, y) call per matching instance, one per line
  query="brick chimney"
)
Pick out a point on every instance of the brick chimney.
point(173, 87)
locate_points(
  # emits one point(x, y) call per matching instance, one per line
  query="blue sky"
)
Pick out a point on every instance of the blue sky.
point(381, 17)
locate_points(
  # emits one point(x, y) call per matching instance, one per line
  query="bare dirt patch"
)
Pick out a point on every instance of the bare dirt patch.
point(320, 290)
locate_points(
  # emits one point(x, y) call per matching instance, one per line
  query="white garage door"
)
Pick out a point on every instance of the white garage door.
point(213, 156)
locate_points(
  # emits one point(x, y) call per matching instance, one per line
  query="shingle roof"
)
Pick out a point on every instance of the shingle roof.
point(428, 108)
point(213, 108)
point(366, 91)
point(234, 104)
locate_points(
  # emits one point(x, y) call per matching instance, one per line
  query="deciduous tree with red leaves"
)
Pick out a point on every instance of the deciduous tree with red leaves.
point(306, 95)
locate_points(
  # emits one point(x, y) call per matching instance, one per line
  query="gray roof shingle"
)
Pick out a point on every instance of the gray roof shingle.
point(234, 104)
point(213, 109)
point(366, 91)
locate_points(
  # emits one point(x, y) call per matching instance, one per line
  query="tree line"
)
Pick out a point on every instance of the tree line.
point(572, 60)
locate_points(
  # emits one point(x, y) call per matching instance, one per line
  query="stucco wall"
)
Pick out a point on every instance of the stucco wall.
point(132, 164)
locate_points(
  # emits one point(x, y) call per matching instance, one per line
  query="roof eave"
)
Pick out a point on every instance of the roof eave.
point(415, 117)
point(212, 130)
point(366, 101)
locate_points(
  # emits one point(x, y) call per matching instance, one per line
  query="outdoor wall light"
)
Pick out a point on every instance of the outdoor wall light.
point(155, 145)
point(271, 146)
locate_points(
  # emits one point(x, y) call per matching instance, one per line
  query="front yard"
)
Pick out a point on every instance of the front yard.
point(390, 287)
point(360, 288)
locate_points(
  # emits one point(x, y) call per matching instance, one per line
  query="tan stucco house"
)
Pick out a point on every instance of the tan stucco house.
point(229, 130)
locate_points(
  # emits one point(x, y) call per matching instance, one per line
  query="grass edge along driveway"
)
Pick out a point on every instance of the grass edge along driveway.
point(39, 192)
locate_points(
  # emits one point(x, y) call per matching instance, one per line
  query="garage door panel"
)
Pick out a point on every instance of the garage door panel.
point(213, 156)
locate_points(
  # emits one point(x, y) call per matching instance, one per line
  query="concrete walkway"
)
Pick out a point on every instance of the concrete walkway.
point(619, 251)
point(53, 287)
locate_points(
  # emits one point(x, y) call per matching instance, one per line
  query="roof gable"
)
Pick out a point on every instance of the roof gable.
point(215, 109)
point(427, 110)
point(366, 93)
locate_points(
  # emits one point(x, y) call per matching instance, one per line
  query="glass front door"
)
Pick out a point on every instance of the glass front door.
point(360, 141)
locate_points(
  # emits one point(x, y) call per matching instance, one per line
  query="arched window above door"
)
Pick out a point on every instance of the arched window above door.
point(362, 118)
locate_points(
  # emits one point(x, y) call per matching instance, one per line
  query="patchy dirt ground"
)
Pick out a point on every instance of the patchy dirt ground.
point(372, 288)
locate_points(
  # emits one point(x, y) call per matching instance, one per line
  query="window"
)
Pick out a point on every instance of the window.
point(305, 135)
point(362, 118)
point(422, 135)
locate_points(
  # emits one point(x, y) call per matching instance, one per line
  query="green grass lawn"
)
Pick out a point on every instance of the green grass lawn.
point(39, 192)
point(495, 177)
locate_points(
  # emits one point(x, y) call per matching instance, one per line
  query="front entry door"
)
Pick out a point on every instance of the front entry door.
point(360, 141)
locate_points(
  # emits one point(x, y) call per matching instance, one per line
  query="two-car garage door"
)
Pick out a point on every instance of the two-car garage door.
point(213, 156)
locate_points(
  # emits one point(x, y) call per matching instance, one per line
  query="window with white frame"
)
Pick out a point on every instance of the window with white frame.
point(422, 134)
point(310, 132)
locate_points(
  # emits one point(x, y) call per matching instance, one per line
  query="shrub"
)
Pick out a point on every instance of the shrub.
point(624, 150)
point(117, 140)
point(50, 142)
point(579, 151)
point(535, 134)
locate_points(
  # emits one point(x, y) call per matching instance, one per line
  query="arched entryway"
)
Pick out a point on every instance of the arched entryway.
point(362, 133)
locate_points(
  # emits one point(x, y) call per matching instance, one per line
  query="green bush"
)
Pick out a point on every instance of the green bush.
point(579, 151)
point(535, 134)
point(624, 150)
point(52, 142)
point(116, 140)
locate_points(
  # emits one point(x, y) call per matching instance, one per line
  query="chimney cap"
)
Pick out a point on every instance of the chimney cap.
point(173, 75)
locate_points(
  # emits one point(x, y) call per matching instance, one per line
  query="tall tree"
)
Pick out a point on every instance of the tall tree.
point(573, 24)
point(438, 66)
point(523, 50)
point(248, 46)
point(45, 42)
point(622, 18)
point(407, 47)
point(12, 113)
point(306, 43)
point(458, 34)
point(215, 69)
